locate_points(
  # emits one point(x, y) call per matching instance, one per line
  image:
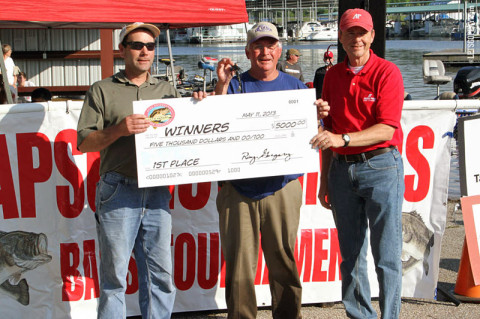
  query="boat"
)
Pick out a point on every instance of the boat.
point(225, 33)
point(195, 35)
point(326, 33)
point(180, 36)
point(436, 31)
point(308, 28)
point(468, 23)
point(472, 33)
point(187, 35)
point(430, 29)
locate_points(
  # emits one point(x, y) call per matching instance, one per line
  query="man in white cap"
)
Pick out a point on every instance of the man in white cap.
point(268, 205)
point(362, 170)
point(128, 217)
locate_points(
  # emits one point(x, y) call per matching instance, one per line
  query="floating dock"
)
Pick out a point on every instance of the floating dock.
point(454, 57)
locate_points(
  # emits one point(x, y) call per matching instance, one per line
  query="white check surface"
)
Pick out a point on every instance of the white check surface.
point(227, 137)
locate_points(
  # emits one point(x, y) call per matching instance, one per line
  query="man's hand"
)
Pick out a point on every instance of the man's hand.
point(322, 108)
point(326, 139)
point(225, 73)
point(323, 195)
point(99, 140)
point(133, 124)
point(200, 95)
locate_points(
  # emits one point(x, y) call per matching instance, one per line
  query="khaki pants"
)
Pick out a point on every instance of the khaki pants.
point(242, 220)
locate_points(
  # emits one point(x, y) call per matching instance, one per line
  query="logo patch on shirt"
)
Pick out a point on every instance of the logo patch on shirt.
point(160, 114)
point(369, 98)
point(292, 71)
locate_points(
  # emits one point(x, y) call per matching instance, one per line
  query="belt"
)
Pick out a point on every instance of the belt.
point(362, 157)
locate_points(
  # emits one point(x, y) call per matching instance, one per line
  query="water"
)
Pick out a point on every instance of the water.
point(406, 54)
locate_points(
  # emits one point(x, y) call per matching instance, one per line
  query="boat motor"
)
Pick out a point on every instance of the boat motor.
point(467, 82)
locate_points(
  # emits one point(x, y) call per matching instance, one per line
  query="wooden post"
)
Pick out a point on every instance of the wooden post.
point(106, 52)
point(378, 10)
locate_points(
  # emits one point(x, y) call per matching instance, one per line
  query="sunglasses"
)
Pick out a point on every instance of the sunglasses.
point(136, 45)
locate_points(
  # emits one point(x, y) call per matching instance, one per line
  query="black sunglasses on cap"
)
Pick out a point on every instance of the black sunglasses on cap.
point(137, 45)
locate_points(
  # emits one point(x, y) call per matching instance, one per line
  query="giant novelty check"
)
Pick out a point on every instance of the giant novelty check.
point(226, 137)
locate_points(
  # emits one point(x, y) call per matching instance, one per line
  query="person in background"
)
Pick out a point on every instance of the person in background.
point(13, 93)
point(3, 94)
point(362, 170)
point(9, 64)
point(291, 65)
point(269, 206)
point(320, 73)
point(41, 95)
point(22, 80)
point(129, 218)
point(16, 72)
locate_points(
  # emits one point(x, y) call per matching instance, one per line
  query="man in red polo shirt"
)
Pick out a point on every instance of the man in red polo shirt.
point(362, 170)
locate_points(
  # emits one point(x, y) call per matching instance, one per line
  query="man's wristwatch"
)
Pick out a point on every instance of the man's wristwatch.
point(346, 139)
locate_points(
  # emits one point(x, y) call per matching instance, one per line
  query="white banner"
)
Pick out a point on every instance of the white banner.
point(468, 132)
point(47, 191)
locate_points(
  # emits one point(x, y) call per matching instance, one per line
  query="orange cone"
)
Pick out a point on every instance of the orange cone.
point(465, 288)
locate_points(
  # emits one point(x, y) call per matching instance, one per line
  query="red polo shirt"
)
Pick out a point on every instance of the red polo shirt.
point(358, 101)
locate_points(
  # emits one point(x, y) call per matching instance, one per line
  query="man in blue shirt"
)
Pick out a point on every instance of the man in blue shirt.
point(267, 205)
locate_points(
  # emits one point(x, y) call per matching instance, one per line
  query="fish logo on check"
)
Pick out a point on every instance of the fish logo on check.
point(160, 114)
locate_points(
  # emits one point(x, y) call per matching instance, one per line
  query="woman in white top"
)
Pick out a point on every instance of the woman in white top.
point(9, 64)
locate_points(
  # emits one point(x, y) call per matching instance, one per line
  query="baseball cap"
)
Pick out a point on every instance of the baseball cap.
point(293, 52)
point(356, 18)
point(261, 30)
point(129, 28)
point(328, 55)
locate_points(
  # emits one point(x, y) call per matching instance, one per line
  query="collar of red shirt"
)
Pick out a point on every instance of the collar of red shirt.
point(371, 61)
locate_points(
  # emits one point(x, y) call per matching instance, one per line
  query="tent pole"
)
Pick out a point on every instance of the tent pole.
point(6, 85)
point(169, 44)
point(106, 52)
point(157, 69)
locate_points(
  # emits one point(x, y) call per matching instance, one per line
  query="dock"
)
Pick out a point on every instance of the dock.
point(453, 57)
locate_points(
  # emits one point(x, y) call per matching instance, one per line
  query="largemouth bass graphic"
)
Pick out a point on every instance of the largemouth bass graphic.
point(20, 252)
point(417, 241)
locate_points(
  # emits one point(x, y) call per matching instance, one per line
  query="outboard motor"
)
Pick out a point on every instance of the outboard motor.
point(467, 82)
point(467, 86)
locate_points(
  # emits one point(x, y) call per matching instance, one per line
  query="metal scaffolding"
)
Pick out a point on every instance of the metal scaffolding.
point(285, 12)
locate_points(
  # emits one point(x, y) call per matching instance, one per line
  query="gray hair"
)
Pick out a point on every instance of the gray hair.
point(6, 48)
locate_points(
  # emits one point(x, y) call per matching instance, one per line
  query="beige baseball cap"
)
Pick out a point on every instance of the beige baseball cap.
point(261, 30)
point(293, 52)
point(138, 25)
